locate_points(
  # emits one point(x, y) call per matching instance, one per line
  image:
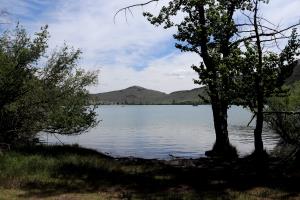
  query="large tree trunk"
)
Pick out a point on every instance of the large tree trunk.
point(220, 123)
point(222, 146)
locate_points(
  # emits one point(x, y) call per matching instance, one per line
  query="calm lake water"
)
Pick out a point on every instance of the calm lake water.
point(161, 131)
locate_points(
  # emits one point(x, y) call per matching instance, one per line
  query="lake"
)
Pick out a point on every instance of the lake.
point(161, 132)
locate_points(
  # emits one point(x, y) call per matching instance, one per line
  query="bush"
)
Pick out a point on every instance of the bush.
point(286, 125)
point(39, 94)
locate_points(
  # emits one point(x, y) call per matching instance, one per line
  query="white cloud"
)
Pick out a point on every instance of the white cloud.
point(161, 74)
point(116, 49)
point(282, 12)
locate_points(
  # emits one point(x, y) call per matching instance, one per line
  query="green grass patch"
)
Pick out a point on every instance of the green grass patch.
point(70, 172)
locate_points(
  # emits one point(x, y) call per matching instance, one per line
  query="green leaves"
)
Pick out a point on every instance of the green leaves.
point(286, 125)
point(69, 112)
point(34, 98)
point(207, 28)
point(276, 68)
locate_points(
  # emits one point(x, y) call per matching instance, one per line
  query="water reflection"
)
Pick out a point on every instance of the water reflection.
point(161, 131)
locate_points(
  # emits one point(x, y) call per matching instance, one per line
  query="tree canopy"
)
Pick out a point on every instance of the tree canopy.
point(40, 92)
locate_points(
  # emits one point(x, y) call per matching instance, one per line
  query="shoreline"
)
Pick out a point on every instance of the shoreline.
point(72, 172)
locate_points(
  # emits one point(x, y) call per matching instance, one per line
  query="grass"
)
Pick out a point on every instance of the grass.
point(70, 172)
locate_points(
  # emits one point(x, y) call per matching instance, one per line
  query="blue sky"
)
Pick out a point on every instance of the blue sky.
point(125, 54)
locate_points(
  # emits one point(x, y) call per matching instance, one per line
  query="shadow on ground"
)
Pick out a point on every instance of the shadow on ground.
point(78, 170)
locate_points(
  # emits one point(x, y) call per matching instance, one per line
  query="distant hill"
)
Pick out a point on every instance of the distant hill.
point(187, 96)
point(138, 95)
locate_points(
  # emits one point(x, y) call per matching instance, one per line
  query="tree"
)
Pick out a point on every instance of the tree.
point(38, 95)
point(208, 29)
point(264, 71)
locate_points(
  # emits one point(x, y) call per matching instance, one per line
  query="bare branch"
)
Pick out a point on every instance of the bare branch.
point(245, 24)
point(132, 6)
point(130, 12)
point(266, 20)
point(274, 33)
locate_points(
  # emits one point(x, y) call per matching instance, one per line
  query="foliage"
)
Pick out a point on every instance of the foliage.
point(207, 29)
point(286, 125)
point(267, 72)
point(40, 94)
point(276, 68)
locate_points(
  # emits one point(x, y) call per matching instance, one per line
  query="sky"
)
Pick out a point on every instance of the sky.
point(127, 52)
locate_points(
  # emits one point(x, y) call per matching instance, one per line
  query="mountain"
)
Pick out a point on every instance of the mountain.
point(138, 95)
point(187, 96)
